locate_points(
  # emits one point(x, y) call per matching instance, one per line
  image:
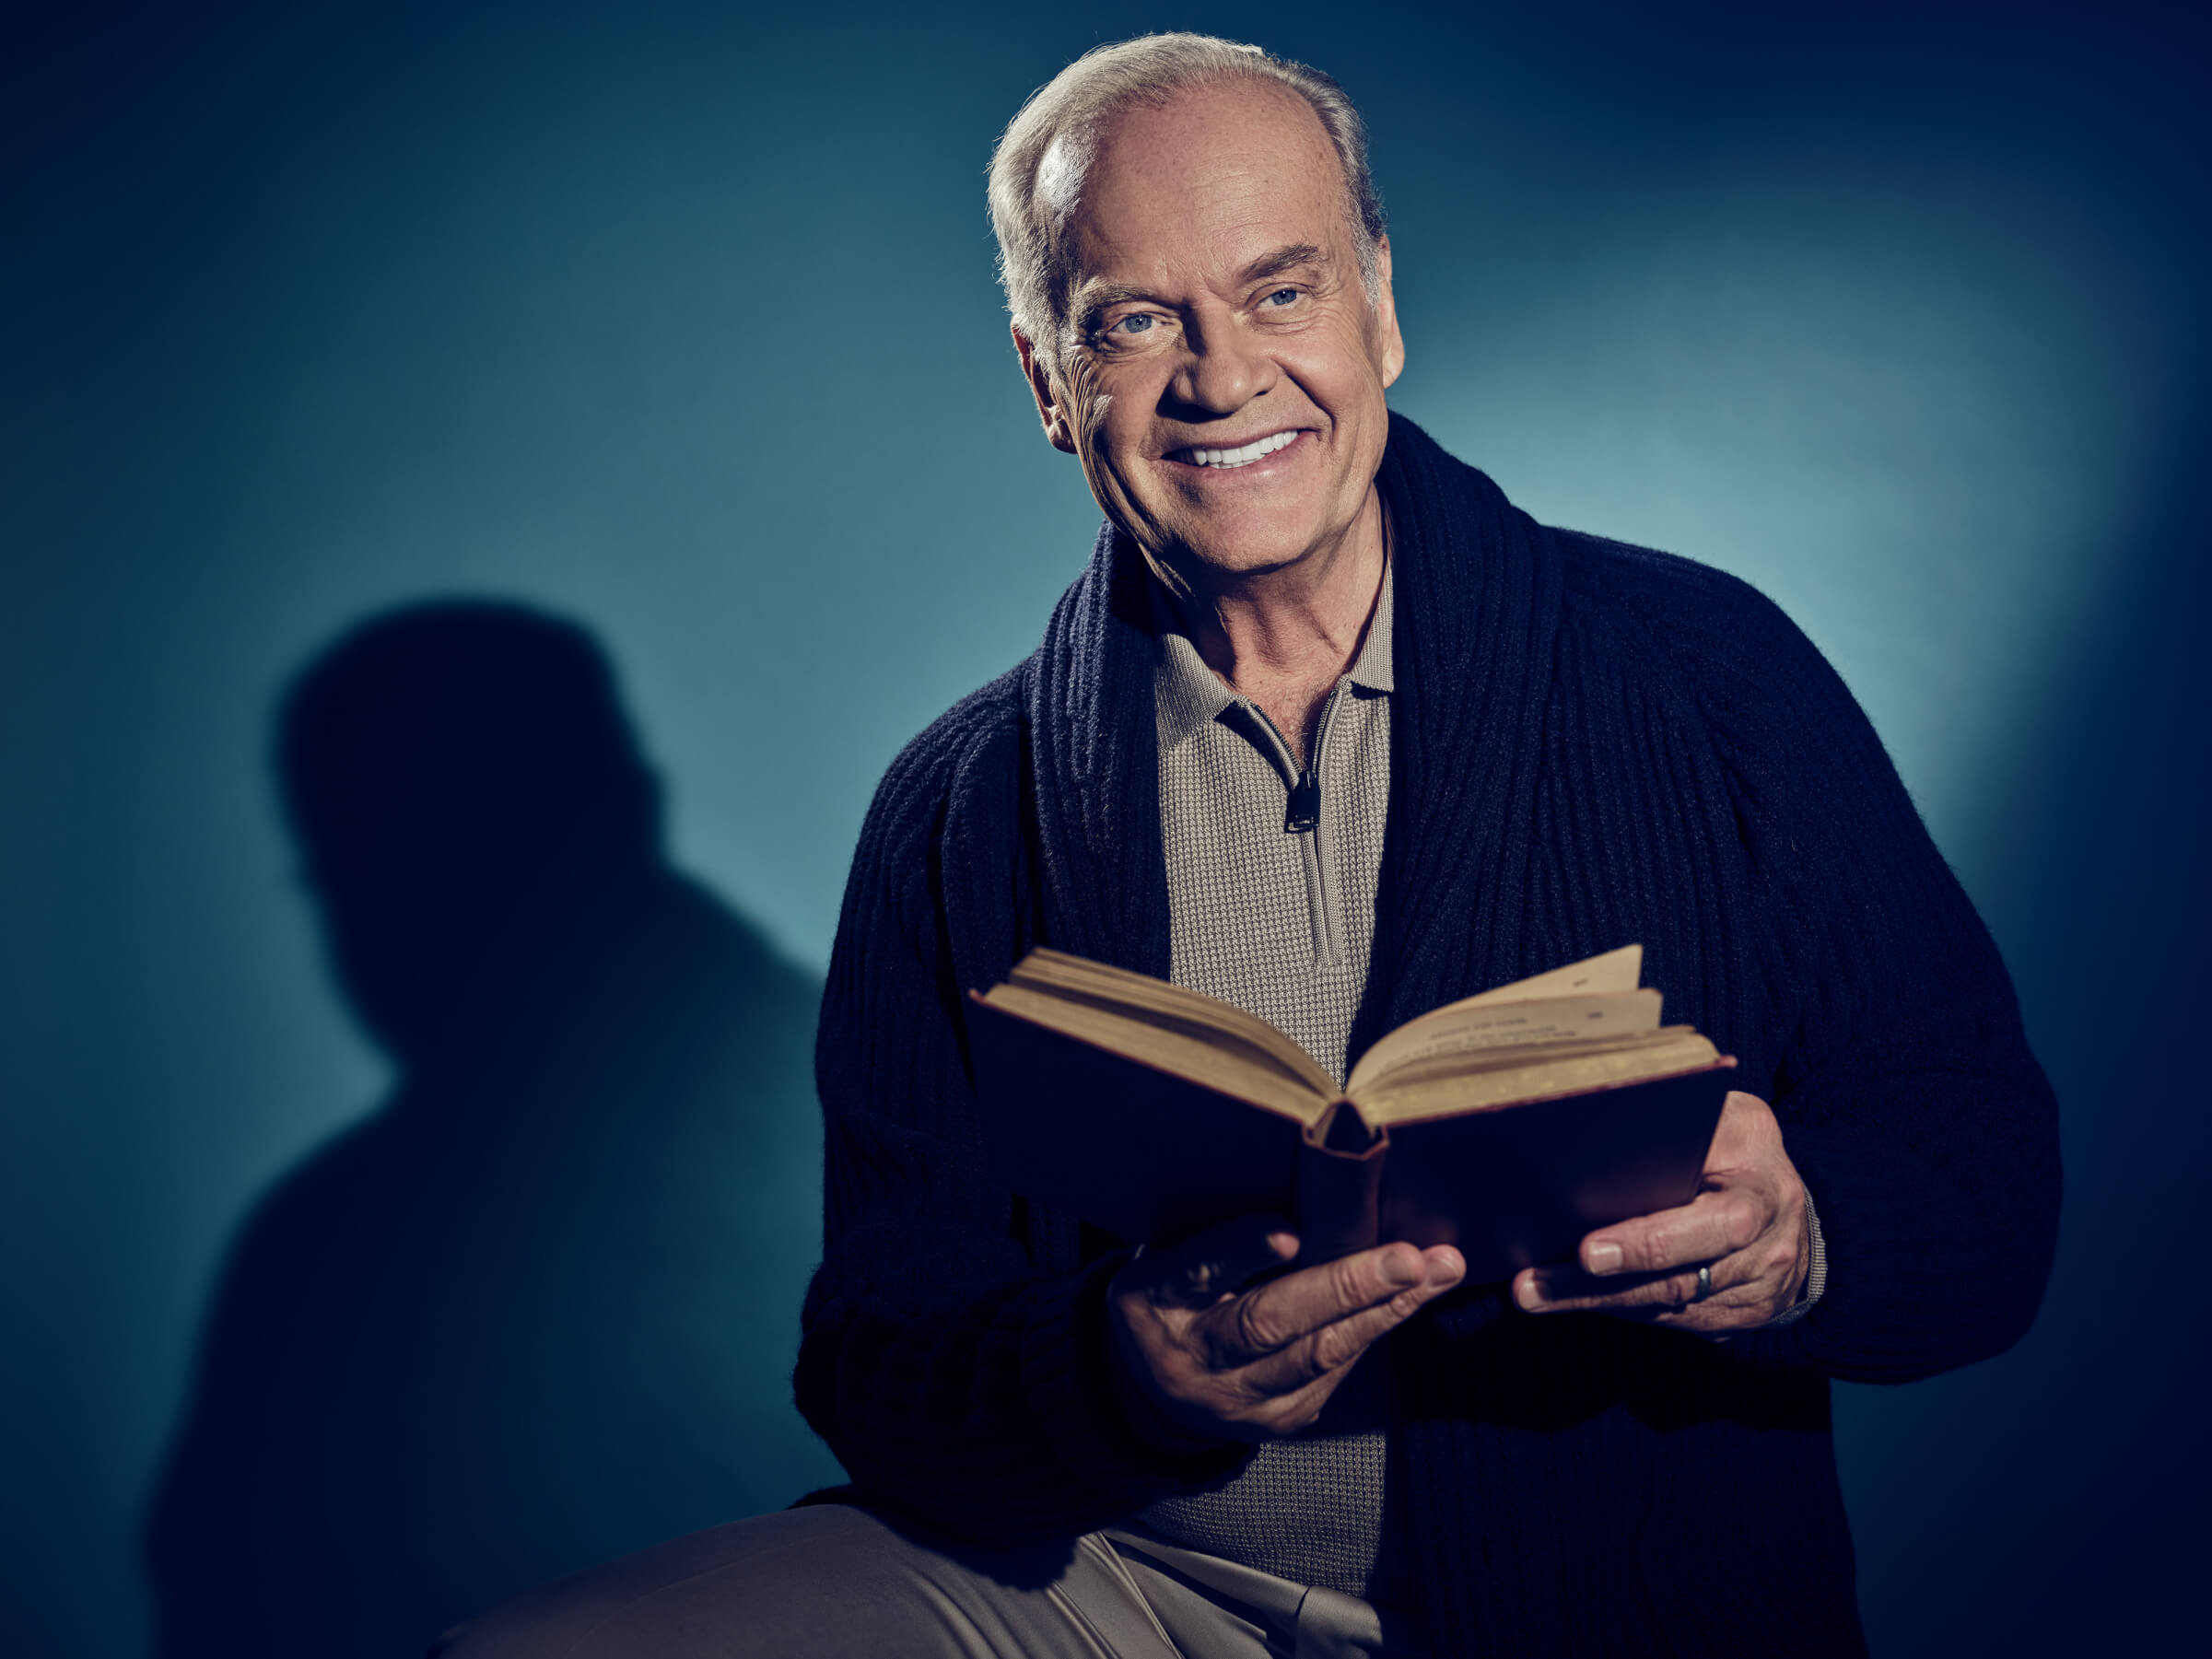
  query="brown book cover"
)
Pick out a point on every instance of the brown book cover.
point(1149, 1153)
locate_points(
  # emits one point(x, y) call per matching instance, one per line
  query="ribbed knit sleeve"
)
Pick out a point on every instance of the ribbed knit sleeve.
point(955, 1378)
point(1921, 1123)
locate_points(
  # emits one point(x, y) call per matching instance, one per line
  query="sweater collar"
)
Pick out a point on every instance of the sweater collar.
point(1188, 695)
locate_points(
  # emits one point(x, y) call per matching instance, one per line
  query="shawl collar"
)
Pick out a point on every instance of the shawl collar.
point(1094, 766)
point(1478, 594)
point(1478, 586)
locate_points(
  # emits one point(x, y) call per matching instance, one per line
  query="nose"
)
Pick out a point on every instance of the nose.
point(1223, 367)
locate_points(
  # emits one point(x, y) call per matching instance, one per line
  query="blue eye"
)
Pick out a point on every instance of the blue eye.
point(1281, 298)
point(1136, 322)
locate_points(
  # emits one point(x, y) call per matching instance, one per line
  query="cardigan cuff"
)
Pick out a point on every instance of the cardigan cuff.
point(1067, 1374)
point(1928, 1273)
point(1816, 1274)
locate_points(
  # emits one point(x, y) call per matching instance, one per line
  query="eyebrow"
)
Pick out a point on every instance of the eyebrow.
point(1283, 259)
point(1094, 298)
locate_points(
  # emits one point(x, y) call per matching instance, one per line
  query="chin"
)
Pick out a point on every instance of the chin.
point(1244, 558)
point(1247, 548)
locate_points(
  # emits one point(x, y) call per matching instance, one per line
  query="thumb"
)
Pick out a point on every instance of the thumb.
point(1199, 1271)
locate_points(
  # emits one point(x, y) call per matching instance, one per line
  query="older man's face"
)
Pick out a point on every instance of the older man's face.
point(1224, 381)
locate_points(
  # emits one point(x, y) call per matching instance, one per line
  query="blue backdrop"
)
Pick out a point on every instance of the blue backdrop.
point(678, 322)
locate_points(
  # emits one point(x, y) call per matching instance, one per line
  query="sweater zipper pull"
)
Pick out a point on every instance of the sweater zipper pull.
point(1306, 803)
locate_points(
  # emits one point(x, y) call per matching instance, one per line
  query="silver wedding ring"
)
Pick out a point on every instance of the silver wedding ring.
point(1704, 1283)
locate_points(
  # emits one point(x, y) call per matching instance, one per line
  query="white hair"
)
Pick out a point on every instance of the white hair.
point(1038, 169)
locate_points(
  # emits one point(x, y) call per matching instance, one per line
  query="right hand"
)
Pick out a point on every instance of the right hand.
point(1202, 1361)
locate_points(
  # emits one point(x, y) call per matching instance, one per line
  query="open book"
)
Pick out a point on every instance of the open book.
point(1509, 1123)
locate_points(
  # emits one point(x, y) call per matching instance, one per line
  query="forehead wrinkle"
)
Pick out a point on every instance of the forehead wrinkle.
point(1090, 177)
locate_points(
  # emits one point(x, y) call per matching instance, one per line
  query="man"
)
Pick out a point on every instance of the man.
point(1331, 729)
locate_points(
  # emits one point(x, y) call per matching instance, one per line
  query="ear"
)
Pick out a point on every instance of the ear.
point(1059, 431)
point(1390, 356)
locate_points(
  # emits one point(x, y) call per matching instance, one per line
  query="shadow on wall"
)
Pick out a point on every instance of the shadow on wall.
point(541, 1309)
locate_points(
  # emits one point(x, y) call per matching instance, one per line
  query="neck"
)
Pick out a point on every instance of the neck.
point(1285, 637)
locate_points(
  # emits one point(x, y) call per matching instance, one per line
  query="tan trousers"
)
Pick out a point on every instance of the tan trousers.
point(838, 1581)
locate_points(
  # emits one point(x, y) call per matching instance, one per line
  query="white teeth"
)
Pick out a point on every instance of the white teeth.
point(1256, 450)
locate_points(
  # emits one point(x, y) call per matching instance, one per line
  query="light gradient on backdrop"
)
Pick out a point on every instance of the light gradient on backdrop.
point(686, 328)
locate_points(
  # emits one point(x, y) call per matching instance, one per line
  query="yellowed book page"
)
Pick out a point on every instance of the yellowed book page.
point(1461, 1027)
point(1604, 975)
point(1139, 994)
point(1202, 1058)
point(1447, 1094)
point(1520, 1056)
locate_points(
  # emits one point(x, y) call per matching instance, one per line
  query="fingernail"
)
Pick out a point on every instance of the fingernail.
point(1446, 1267)
point(1530, 1293)
point(1604, 1258)
point(1405, 1270)
point(1284, 1244)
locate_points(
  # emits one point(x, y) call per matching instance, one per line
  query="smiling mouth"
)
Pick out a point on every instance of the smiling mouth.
point(1259, 448)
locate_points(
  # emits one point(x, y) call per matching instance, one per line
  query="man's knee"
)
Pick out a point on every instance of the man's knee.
point(690, 1595)
point(827, 1579)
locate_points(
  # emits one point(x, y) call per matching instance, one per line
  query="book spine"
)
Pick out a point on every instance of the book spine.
point(1340, 1184)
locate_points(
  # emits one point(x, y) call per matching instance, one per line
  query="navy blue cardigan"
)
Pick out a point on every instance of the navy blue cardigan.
point(1592, 745)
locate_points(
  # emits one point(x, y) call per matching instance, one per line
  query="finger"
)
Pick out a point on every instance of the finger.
point(1717, 1222)
point(1570, 1290)
point(1277, 1313)
point(1337, 1344)
point(1741, 1308)
point(1202, 1269)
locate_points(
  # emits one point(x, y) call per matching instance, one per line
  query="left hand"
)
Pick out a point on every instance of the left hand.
point(1747, 1224)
